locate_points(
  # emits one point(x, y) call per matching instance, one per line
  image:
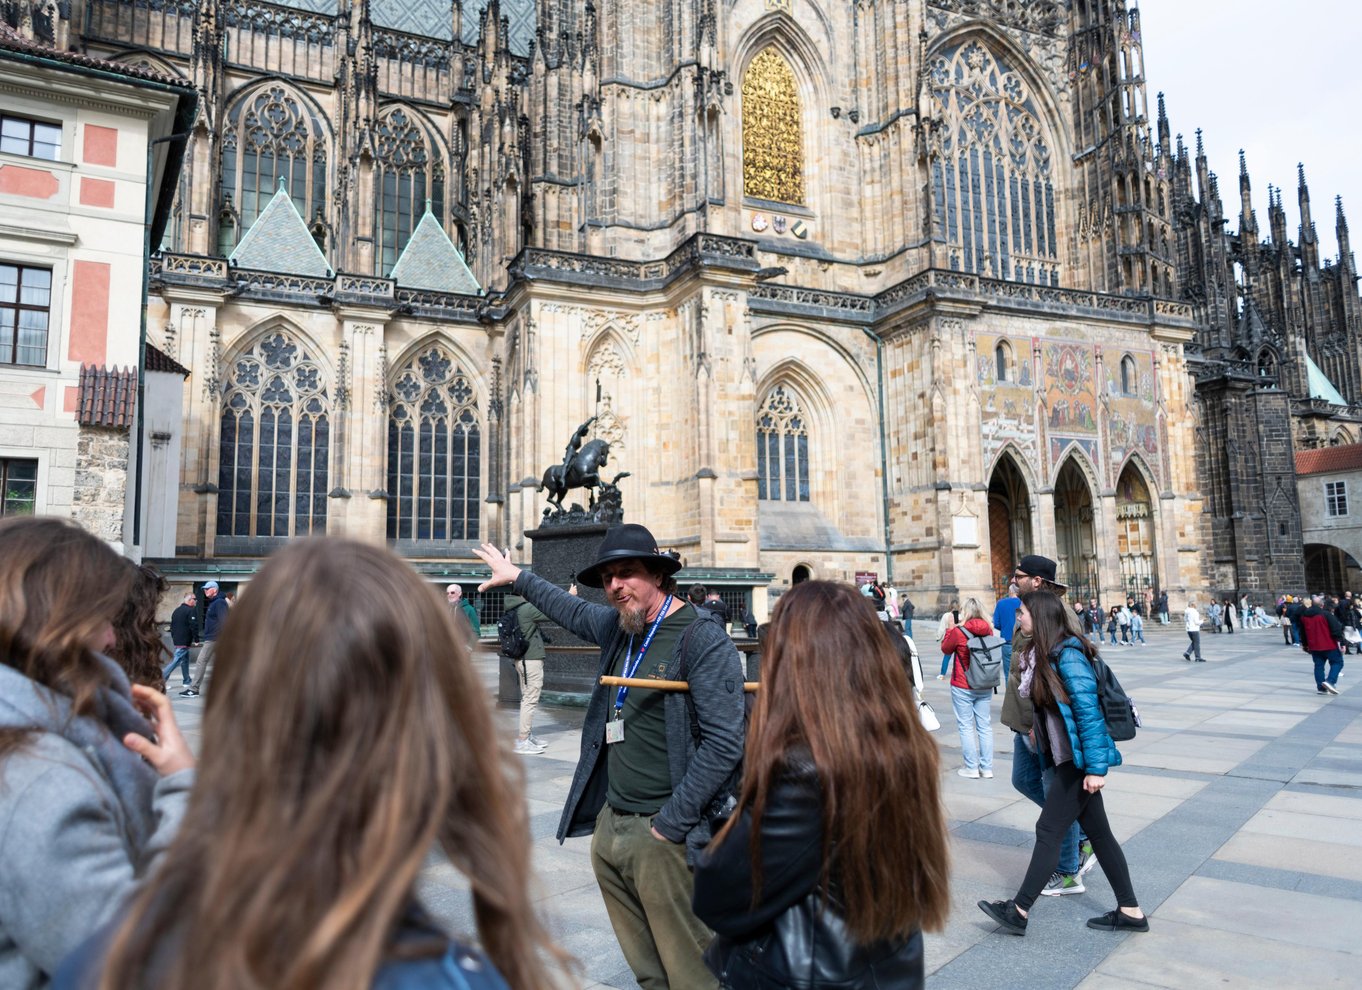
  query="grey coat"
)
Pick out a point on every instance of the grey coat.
point(81, 818)
point(701, 771)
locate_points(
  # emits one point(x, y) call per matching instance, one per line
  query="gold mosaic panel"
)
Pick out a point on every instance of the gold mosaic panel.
point(772, 131)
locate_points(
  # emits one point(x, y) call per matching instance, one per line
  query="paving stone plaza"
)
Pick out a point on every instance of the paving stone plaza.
point(1239, 807)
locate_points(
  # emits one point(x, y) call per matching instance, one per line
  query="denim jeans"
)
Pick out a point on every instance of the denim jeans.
point(1138, 633)
point(972, 719)
point(181, 660)
point(1194, 645)
point(1335, 660)
point(908, 628)
point(1030, 781)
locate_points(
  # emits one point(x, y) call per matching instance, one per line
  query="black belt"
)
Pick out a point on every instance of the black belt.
point(631, 814)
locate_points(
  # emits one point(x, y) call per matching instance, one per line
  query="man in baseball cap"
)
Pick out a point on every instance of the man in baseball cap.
point(213, 617)
point(646, 785)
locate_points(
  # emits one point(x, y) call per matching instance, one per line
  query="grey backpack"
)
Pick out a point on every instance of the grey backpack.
point(985, 668)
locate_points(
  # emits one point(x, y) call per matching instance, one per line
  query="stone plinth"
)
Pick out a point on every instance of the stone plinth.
point(570, 663)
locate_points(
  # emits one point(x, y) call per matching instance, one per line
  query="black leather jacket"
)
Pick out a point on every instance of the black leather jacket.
point(791, 938)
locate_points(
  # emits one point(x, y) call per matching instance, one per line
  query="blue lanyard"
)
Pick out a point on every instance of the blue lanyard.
point(647, 642)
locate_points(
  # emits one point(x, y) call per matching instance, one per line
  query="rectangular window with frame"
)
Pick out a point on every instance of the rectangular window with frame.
point(18, 486)
point(33, 138)
point(1335, 498)
point(25, 307)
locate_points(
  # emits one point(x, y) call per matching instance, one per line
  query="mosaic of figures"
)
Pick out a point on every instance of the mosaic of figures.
point(1060, 403)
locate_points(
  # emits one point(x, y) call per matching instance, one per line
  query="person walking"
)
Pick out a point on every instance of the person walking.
point(1137, 629)
point(324, 786)
point(1320, 635)
point(971, 706)
point(1284, 618)
point(1123, 618)
point(530, 670)
point(94, 774)
point(467, 614)
point(1113, 623)
point(1227, 614)
point(184, 633)
point(1005, 621)
point(1213, 614)
point(1163, 607)
point(1031, 777)
point(655, 767)
point(804, 852)
point(214, 617)
point(1071, 735)
point(1192, 621)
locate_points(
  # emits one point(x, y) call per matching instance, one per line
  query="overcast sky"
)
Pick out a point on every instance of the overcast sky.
point(1281, 79)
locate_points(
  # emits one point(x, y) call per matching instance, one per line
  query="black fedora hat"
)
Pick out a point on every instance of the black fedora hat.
point(1037, 566)
point(628, 542)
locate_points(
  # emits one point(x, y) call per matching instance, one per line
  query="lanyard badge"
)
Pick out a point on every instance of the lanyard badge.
point(614, 728)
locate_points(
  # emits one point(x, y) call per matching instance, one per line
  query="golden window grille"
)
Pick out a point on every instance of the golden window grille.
point(772, 131)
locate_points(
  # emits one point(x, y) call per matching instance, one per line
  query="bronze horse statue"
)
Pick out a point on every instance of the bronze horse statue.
point(580, 470)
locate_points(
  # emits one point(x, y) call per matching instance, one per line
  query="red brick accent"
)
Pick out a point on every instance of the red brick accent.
point(39, 396)
point(97, 192)
point(89, 312)
point(35, 182)
point(101, 145)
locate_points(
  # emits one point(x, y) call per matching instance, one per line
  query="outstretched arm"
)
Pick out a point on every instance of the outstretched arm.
point(503, 571)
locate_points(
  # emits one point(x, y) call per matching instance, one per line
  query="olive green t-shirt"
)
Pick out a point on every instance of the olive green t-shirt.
point(639, 778)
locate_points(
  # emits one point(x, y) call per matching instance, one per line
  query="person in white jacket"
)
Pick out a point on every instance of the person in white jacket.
point(1193, 621)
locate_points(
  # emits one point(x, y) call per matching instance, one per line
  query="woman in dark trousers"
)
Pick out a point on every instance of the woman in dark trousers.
point(817, 880)
point(1071, 736)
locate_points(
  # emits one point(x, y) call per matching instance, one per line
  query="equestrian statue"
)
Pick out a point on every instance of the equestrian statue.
point(580, 468)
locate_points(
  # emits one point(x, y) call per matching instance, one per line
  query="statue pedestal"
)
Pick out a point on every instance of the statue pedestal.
point(570, 664)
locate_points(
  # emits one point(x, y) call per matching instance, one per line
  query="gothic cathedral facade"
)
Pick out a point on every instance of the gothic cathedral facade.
point(912, 287)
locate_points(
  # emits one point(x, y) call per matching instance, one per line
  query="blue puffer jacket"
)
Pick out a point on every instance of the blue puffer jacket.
point(1094, 752)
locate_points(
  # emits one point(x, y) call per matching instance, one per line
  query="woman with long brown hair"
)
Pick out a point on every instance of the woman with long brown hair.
point(93, 773)
point(138, 647)
point(836, 856)
point(341, 742)
point(1070, 735)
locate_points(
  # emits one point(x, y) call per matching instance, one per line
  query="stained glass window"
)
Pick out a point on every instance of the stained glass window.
point(772, 131)
point(991, 171)
point(407, 173)
point(782, 448)
point(434, 451)
point(272, 133)
point(275, 442)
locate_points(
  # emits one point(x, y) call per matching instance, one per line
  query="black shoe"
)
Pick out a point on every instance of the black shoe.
point(189, 693)
point(1119, 921)
point(1007, 916)
point(1187, 658)
point(1200, 659)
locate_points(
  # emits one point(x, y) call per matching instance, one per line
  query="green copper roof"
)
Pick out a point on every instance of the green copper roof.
point(1319, 385)
point(279, 241)
point(431, 261)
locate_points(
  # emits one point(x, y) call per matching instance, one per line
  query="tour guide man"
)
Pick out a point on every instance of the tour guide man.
point(647, 804)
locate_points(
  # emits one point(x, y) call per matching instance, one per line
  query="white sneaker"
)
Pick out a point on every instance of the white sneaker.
point(527, 748)
point(1329, 688)
point(971, 774)
point(535, 740)
point(986, 774)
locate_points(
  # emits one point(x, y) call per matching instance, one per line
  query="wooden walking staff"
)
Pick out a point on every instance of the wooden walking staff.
point(648, 683)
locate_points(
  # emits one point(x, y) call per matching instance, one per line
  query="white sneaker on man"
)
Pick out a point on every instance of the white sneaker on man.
point(967, 772)
point(526, 747)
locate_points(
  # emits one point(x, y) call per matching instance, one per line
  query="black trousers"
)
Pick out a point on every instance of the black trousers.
point(1065, 802)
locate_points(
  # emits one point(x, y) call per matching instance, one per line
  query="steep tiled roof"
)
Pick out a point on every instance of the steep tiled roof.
point(12, 41)
point(106, 396)
point(1344, 457)
point(279, 241)
point(158, 360)
point(431, 261)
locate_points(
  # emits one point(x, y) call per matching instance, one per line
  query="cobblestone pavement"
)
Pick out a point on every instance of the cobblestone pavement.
point(1239, 807)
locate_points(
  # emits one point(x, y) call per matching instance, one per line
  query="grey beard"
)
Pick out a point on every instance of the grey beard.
point(634, 621)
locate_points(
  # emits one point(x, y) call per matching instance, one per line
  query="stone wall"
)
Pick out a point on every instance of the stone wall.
point(101, 481)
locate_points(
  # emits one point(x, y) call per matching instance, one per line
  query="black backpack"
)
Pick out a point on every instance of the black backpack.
point(512, 640)
point(1118, 710)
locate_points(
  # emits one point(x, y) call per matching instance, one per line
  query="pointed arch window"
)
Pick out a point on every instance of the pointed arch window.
point(992, 177)
point(434, 451)
point(1267, 368)
point(275, 442)
point(772, 131)
point(1002, 361)
point(271, 133)
point(1129, 376)
point(408, 170)
point(782, 448)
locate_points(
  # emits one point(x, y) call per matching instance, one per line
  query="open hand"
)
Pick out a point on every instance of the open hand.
point(503, 571)
point(169, 753)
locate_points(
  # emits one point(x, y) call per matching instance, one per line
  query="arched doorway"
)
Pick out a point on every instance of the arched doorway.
point(1076, 542)
point(799, 575)
point(1009, 522)
point(1331, 570)
point(1135, 534)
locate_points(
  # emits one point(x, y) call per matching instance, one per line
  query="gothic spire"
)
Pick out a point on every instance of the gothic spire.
point(1303, 195)
point(1248, 223)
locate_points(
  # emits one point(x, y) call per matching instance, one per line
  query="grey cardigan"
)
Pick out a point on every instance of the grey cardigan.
point(81, 818)
point(701, 770)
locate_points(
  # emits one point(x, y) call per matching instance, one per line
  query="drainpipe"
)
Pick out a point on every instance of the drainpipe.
point(884, 455)
point(142, 335)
